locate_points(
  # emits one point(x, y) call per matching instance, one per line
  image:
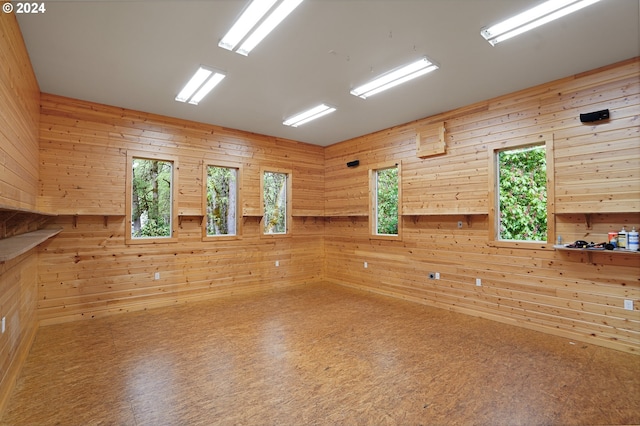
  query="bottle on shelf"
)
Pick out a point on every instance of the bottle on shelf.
point(622, 238)
point(632, 240)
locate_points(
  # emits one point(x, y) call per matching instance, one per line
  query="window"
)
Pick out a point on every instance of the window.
point(150, 199)
point(221, 198)
point(276, 196)
point(385, 203)
point(523, 194)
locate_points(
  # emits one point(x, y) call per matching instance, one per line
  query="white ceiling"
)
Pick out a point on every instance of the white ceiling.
point(138, 55)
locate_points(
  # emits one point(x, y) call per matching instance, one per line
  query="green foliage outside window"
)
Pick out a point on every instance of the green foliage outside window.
point(151, 198)
point(221, 200)
point(275, 203)
point(387, 201)
point(523, 194)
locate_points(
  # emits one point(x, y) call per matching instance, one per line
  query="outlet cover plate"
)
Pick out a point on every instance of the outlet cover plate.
point(628, 305)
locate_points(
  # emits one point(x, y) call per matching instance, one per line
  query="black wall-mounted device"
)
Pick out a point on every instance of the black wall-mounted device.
point(590, 117)
point(354, 163)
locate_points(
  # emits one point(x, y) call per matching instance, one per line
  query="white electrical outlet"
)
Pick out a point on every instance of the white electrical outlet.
point(437, 275)
point(277, 263)
point(156, 276)
point(478, 282)
point(366, 265)
point(4, 324)
point(628, 305)
point(460, 224)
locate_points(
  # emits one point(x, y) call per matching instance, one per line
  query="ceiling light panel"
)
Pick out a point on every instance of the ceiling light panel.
point(202, 82)
point(532, 18)
point(395, 77)
point(255, 23)
point(309, 115)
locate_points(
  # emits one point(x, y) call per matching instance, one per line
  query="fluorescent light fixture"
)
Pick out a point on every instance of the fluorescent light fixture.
point(394, 78)
point(252, 15)
point(532, 18)
point(305, 117)
point(202, 82)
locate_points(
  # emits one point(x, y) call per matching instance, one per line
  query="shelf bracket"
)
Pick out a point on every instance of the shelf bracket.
point(587, 218)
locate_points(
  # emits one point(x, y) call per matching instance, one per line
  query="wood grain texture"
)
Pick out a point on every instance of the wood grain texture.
point(317, 355)
point(19, 116)
point(90, 271)
point(596, 170)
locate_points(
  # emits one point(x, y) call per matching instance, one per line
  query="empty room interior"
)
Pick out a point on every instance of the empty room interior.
point(349, 212)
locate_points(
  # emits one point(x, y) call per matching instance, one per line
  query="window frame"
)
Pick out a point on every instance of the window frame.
point(131, 155)
point(288, 203)
point(373, 201)
point(222, 164)
point(545, 140)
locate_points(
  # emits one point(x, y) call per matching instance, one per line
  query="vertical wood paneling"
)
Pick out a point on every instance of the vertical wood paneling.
point(597, 170)
point(19, 114)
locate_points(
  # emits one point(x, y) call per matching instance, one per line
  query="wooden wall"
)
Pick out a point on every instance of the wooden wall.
point(19, 97)
point(19, 113)
point(89, 271)
point(597, 189)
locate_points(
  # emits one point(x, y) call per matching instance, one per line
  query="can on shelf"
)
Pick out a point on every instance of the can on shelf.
point(612, 238)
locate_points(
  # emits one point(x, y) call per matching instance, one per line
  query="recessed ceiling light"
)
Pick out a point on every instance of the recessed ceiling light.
point(202, 82)
point(307, 116)
point(251, 16)
point(532, 18)
point(394, 78)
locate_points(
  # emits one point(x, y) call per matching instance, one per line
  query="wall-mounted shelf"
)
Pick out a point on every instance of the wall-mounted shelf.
point(15, 221)
point(589, 217)
point(591, 251)
point(105, 218)
point(196, 215)
point(13, 247)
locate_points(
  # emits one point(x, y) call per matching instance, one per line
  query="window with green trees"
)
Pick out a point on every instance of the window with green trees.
point(385, 202)
point(276, 193)
point(522, 194)
point(151, 198)
point(222, 201)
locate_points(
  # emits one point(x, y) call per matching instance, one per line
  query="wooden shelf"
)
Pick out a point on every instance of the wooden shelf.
point(18, 244)
point(6, 208)
point(591, 251)
point(16, 221)
point(596, 250)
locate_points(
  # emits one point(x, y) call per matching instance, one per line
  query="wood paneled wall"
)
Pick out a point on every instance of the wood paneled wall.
point(89, 271)
point(19, 114)
point(597, 189)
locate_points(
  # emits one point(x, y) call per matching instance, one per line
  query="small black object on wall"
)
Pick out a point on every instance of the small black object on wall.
point(354, 163)
point(590, 117)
